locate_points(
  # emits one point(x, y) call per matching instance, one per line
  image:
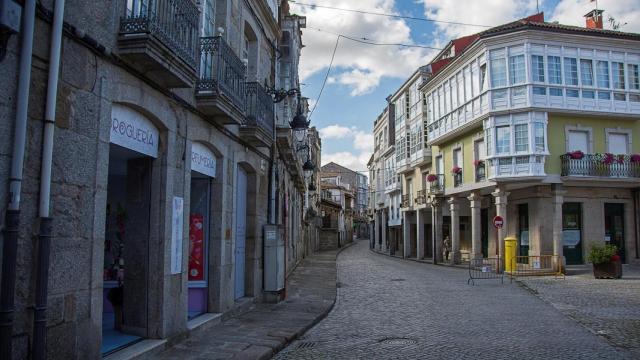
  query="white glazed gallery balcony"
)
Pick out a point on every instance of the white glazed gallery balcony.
point(421, 157)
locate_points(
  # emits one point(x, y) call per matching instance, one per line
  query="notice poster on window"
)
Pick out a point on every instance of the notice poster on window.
point(176, 235)
point(196, 247)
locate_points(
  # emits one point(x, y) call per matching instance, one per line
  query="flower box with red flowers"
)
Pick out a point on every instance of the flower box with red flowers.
point(607, 264)
point(635, 158)
point(477, 163)
point(576, 155)
point(431, 178)
point(456, 170)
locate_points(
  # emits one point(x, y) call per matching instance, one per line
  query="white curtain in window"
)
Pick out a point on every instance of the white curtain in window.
point(618, 143)
point(579, 140)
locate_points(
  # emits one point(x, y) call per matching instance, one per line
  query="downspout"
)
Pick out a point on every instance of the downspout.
point(636, 219)
point(12, 216)
point(44, 238)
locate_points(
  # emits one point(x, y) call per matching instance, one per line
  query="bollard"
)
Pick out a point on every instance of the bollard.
point(509, 254)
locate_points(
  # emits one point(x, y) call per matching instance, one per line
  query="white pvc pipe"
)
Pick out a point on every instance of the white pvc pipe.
point(50, 110)
point(22, 106)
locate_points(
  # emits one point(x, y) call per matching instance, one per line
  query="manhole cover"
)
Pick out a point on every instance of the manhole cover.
point(398, 341)
point(397, 279)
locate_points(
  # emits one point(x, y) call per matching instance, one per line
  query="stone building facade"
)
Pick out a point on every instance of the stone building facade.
point(359, 183)
point(164, 169)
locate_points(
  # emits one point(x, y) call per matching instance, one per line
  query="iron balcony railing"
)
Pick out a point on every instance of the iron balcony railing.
point(437, 186)
point(405, 201)
point(421, 199)
point(605, 165)
point(259, 107)
point(221, 71)
point(481, 172)
point(457, 179)
point(173, 22)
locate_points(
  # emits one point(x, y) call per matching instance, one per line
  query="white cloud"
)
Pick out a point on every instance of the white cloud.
point(335, 132)
point(571, 12)
point(362, 145)
point(357, 66)
point(485, 12)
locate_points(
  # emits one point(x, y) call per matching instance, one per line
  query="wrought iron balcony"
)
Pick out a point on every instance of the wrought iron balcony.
point(481, 172)
point(405, 201)
point(421, 199)
point(160, 39)
point(436, 187)
point(600, 165)
point(221, 88)
point(457, 179)
point(258, 126)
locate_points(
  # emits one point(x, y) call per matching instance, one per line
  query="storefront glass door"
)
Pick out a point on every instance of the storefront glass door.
point(199, 243)
point(572, 232)
point(614, 227)
point(126, 248)
point(523, 231)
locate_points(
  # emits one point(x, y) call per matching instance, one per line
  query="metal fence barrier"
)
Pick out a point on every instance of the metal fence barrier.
point(487, 268)
point(541, 265)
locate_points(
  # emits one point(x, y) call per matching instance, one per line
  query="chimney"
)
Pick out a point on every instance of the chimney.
point(594, 19)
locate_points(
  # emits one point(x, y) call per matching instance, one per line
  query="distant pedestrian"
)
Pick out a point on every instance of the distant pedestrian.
point(446, 247)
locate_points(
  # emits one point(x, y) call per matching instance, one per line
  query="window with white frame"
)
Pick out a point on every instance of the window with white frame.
point(457, 157)
point(634, 78)
point(538, 134)
point(578, 140)
point(617, 72)
point(602, 73)
point(521, 137)
point(489, 138)
point(498, 72)
point(618, 143)
point(537, 68)
point(503, 140)
point(475, 79)
point(516, 69)
point(554, 70)
point(570, 71)
point(483, 77)
point(460, 80)
point(439, 165)
point(586, 72)
point(480, 150)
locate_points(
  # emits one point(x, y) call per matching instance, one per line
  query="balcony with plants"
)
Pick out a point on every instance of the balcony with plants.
point(435, 184)
point(604, 165)
point(160, 39)
point(456, 171)
point(221, 91)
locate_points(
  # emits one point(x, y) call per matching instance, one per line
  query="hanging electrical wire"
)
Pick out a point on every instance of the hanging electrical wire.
point(387, 15)
point(335, 48)
point(368, 41)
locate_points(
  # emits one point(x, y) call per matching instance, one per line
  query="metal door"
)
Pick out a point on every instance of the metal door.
point(241, 227)
point(572, 232)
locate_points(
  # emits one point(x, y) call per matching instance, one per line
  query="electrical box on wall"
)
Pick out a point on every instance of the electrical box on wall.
point(10, 14)
point(273, 259)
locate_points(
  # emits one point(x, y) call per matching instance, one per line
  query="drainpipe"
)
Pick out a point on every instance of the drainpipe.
point(636, 219)
point(12, 216)
point(44, 238)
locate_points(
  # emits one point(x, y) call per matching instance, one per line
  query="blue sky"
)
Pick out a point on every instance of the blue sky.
point(364, 75)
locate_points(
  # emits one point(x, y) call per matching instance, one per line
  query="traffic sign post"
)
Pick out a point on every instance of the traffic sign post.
point(498, 222)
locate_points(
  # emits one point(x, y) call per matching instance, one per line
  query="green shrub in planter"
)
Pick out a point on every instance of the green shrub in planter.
point(601, 254)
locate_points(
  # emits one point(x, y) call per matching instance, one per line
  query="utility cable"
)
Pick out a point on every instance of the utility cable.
point(368, 41)
point(326, 76)
point(387, 15)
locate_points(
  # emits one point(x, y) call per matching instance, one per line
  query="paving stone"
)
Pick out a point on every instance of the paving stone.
point(434, 314)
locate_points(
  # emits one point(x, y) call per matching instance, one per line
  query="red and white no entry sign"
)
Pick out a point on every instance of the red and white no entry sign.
point(498, 222)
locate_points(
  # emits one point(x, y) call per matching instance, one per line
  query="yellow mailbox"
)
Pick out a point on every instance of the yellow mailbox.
point(509, 254)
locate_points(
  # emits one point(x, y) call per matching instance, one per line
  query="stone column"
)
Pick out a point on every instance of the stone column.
point(420, 245)
point(383, 230)
point(406, 235)
point(475, 199)
point(501, 210)
point(436, 229)
point(454, 207)
point(558, 199)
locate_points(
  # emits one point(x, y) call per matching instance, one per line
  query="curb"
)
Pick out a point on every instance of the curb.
point(459, 266)
point(318, 318)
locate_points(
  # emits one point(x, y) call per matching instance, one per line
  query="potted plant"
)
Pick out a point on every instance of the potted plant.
point(576, 155)
point(635, 158)
point(606, 262)
point(431, 178)
point(456, 170)
point(477, 163)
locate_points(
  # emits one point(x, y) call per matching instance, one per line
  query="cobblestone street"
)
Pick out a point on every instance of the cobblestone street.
point(391, 308)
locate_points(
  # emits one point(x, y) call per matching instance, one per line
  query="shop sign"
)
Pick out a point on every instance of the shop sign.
point(176, 234)
point(203, 160)
point(498, 222)
point(134, 131)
